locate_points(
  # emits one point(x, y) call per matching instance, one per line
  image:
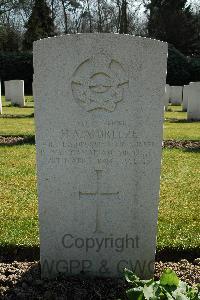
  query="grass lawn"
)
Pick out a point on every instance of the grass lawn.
point(22, 122)
point(176, 126)
point(17, 126)
point(179, 212)
point(179, 201)
point(182, 131)
point(18, 212)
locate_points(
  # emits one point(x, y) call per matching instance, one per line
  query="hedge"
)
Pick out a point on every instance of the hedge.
point(178, 68)
point(17, 66)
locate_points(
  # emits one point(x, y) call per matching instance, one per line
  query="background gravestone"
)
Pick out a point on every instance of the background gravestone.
point(185, 97)
point(7, 90)
point(16, 88)
point(176, 95)
point(166, 96)
point(98, 134)
point(193, 109)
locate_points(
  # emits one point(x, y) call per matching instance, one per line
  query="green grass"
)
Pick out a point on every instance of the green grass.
point(17, 126)
point(176, 126)
point(179, 212)
point(175, 112)
point(179, 198)
point(182, 131)
point(23, 111)
point(22, 122)
point(18, 211)
point(8, 109)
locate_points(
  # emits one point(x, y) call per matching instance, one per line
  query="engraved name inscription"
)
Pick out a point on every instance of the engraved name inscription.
point(109, 144)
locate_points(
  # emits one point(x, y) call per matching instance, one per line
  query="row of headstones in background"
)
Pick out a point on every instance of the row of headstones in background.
point(14, 91)
point(98, 152)
point(191, 100)
point(176, 95)
point(173, 95)
point(187, 96)
point(192, 95)
point(166, 97)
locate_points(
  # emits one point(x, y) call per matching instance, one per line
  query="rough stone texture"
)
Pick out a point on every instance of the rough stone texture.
point(0, 100)
point(166, 96)
point(98, 135)
point(193, 111)
point(185, 97)
point(176, 95)
point(16, 88)
point(7, 90)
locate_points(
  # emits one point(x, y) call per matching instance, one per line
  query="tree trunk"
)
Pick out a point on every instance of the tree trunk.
point(89, 14)
point(65, 16)
point(124, 18)
point(99, 17)
point(119, 16)
point(52, 10)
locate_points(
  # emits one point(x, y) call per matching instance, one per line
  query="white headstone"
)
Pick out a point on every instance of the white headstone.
point(193, 110)
point(166, 96)
point(98, 135)
point(176, 95)
point(7, 90)
point(185, 97)
point(17, 92)
point(0, 100)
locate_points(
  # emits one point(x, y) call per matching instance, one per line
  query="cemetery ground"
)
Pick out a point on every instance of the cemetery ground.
point(178, 243)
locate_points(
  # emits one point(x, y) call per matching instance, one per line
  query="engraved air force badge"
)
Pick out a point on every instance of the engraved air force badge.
point(98, 83)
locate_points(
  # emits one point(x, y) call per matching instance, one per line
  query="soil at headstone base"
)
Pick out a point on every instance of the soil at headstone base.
point(190, 145)
point(21, 280)
point(16, 140)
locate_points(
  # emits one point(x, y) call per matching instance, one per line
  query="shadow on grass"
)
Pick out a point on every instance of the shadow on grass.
point(8, 116)
point(9, 253)
point(28, 106)
point(192, 150)
point(175, 254)
point(17, 140)
point(173, 120)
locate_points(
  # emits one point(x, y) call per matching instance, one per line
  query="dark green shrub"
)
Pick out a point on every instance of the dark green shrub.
point(195, 69)
point(178, 68)
point(17, 66)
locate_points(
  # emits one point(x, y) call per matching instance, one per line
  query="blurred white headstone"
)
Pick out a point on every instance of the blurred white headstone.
point(17, 92)
point(193, 109)
point(176, 95)
point(185, 97)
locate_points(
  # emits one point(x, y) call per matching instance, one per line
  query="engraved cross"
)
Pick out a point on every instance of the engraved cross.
point(98, 195)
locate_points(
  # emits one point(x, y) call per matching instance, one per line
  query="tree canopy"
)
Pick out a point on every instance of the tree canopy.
point(39, 25)
point(174, 22)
